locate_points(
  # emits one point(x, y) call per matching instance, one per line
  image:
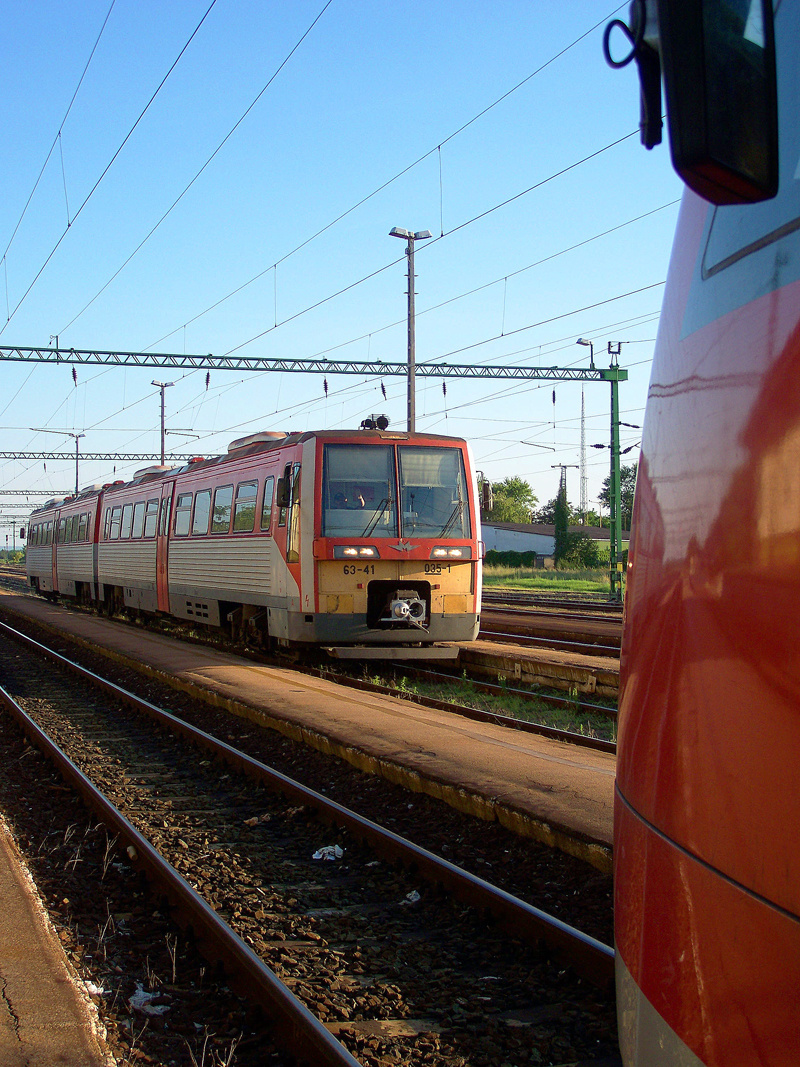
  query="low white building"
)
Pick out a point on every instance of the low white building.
point(536, 537)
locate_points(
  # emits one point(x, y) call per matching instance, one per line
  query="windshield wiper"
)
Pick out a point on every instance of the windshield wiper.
point(376, 518)
point(455, 514)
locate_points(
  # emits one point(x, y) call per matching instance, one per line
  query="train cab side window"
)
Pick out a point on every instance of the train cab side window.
point(244, 513)
point(221, 515)
point(150, 518)
point(293, 540)
point(183, 511)
point(266, 504)
point(83, 526)
point(202, 512)
point(284, 494)
point(137, 529)
point(127, 520)
point(116, 520)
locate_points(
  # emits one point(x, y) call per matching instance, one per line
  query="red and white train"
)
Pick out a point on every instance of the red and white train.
point(346, 539)
point(707, 821)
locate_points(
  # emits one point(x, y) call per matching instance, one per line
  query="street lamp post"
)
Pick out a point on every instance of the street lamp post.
point(162, 386)
point(583, 341)
point(420, 235)
point(65, 433)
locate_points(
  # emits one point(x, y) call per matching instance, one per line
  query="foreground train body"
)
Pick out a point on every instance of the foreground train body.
point(342, 538)
point(707, 834)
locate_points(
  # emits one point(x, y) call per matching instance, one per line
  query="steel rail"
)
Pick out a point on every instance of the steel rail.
point(300, 1028)
point(588, 957)
point(586, 647)
point(537, 612)
point(492, 595)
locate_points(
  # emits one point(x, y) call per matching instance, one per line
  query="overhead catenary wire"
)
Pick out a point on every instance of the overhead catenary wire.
point(390, 181)
point(57, 138)
point(354, 389)
point(207, 163)
point(108, 166)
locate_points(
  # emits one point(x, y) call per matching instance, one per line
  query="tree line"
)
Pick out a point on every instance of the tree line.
point(515, 501)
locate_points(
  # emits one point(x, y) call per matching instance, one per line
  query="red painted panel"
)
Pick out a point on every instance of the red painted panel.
point(721, 967)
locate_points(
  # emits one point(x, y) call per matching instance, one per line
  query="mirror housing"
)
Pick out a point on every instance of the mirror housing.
point(717, 58)
point(720, 85)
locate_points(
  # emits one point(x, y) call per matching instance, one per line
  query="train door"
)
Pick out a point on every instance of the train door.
point(95, 526)
point(287, 531)
point(58, 528)
point(162, 548)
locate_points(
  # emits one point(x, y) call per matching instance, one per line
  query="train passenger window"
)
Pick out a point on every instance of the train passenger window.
point(244, 514)
point(266, 504)
point(150, 518)
point(202, 512)
point(137, 527)
point(50, 532)
point(127, 520)
point(221, 516)
point(83, 525)
point(72, 529)
point(62, 529)
point(116, 520)
point(67, 534)
point(183, 512)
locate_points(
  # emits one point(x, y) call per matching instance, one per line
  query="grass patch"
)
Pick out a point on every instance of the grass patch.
point(463, 691)
point(583, 581)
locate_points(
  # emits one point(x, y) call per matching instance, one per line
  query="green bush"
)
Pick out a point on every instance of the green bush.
point(494, 558)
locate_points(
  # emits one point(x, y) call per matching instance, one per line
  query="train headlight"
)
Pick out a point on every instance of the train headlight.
point(355, 552)
point(442, 552)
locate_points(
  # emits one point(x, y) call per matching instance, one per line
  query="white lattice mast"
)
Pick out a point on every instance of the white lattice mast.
point(584, 501)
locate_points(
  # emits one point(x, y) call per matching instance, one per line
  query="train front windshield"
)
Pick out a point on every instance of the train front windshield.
point(360, 492)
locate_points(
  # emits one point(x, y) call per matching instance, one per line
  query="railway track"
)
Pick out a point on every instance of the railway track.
point(527, 641)
point(593, 604)
point(352, 945)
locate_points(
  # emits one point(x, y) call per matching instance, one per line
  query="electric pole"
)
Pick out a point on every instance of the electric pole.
point(420, 235)
point(162, 386)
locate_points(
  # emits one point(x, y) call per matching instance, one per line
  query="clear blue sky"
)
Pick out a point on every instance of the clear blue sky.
point(372, 90)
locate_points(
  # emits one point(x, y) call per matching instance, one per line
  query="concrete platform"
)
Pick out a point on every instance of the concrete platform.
point(552, 791)
point(46, 1017)
point(555, 669)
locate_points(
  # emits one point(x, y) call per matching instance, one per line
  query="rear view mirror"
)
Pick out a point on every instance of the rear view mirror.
point(717, 58)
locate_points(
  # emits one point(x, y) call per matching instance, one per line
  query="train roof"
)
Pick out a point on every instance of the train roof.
point(249, 445)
